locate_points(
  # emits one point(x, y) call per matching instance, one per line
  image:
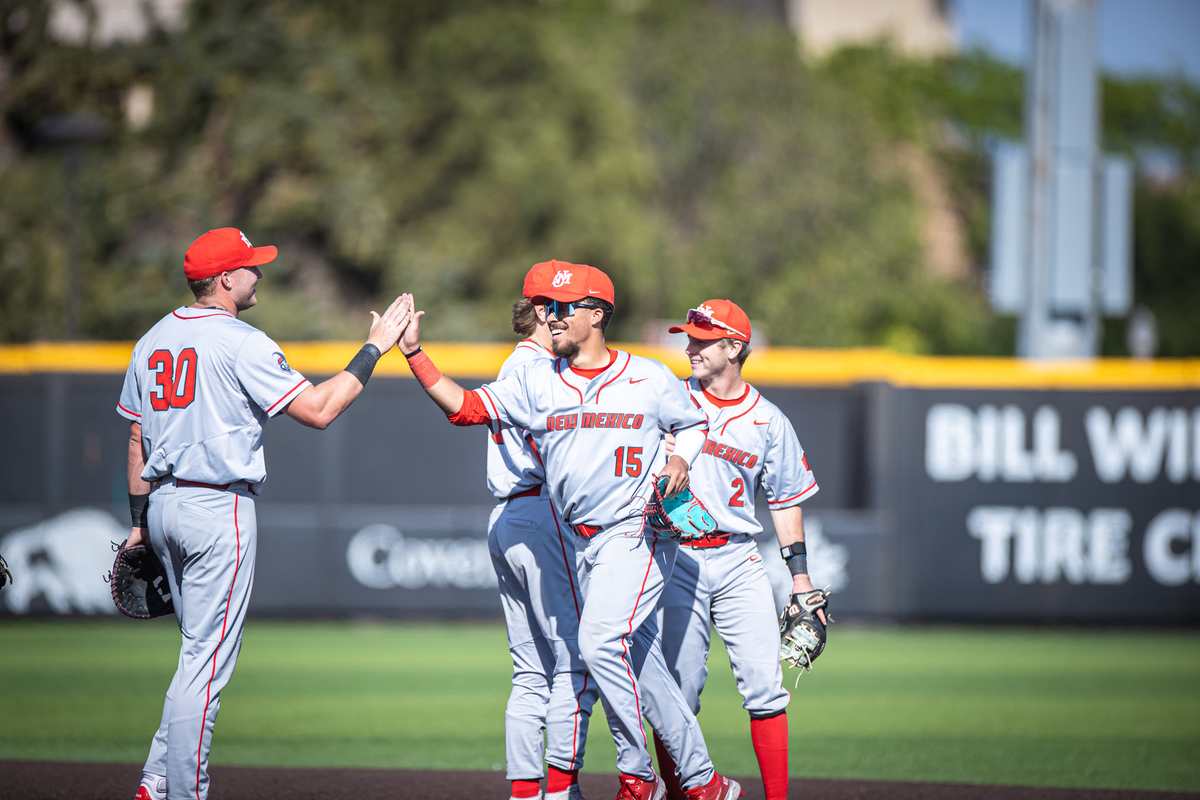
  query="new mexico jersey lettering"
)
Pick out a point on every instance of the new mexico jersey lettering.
point(202, 383)
point(512, 466)
point(750, 444)
point(600, 438)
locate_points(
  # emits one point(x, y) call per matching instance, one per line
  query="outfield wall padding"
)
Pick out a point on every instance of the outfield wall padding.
point(1054, 502)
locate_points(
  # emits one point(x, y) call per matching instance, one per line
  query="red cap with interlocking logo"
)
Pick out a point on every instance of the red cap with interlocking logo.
point(539, 277)
point(223, 250)
point(716, 319)
point(576, 281)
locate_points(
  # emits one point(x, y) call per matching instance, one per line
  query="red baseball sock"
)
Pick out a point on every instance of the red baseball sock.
point(526, 788)
point(666, 770)
point(559, 781)
point(770, 738)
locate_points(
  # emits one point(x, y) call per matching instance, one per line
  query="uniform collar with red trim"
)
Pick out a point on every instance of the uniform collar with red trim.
point(619, 361)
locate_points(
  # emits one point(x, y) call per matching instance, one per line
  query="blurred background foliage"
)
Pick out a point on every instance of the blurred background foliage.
point(443, 146)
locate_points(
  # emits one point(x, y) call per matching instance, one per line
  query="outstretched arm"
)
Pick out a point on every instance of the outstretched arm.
point(319, 405)
point(448, 395)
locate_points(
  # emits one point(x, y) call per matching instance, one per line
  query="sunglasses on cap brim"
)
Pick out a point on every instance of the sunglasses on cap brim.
point(701, 320)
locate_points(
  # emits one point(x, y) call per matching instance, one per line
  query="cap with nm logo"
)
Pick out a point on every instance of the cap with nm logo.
point(567, 282)
point(223, 250)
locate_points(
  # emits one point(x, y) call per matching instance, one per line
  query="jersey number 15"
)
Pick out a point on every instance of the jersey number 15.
point(175, 379)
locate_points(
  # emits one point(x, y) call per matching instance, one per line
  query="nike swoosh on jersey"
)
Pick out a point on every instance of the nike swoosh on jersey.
point(639, 380)
point(756, 422)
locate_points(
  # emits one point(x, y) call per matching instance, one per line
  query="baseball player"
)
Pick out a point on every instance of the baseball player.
point(596, 418)
point(200, 386)
point(750, 445)
point(534, 559)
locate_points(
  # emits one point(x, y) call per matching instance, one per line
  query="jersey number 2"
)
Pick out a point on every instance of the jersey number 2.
point(629, 461)
point(175, 379)
point(740, 485)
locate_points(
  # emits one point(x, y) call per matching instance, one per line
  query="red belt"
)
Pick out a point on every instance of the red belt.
point(220, 487)
point(534, 492)
point(712, 540)
point(587, 530)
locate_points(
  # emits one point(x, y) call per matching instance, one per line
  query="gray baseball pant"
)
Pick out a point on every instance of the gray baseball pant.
point(206, 539)
point(622, 573)
point(535, 562)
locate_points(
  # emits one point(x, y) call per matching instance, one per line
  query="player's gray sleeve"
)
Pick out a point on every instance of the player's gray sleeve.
point(786, 477)
point(130, 404)
point(508, 401)
point(265, 374)
point(677, 409)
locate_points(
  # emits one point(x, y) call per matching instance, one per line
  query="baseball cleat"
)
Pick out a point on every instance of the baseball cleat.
point(634, 788)
point(719, 788)
point(154, 787)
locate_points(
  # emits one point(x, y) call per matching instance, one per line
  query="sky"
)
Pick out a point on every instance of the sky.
point(1136, 36)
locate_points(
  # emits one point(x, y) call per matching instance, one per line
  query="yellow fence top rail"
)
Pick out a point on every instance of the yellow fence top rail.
point(779, 366)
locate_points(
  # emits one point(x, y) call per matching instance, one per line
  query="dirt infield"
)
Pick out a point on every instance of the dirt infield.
point(47, 780)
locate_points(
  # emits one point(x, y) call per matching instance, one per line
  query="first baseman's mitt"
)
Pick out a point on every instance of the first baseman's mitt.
point(139, 583)
point(802, 636)
point(680, 516)
point(5, 575)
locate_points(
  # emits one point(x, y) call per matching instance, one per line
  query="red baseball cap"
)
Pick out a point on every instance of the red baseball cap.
point(716, 319)
point(223, 250)
point(538, 279)
point(576, 281)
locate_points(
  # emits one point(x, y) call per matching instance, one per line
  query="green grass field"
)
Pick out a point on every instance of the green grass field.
point(1035, 707)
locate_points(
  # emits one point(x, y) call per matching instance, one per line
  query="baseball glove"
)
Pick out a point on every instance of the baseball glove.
point(680, 516)
point(5, 575)
point(801, 634)
point(139, 583)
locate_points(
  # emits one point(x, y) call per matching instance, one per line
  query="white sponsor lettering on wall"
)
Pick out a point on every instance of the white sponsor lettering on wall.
point(63, 560)
point(381, 557)
point(1057, 544)
point(995, 443)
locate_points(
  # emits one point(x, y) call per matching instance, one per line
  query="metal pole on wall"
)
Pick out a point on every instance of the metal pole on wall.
point(1061, 210)
point(1060, 318)
point(72, 132)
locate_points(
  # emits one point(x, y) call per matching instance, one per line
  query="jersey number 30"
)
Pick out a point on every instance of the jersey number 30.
point(175, 379)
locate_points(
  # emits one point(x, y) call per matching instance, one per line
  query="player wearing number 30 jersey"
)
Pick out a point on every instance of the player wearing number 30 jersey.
point(750, 445)
point(200, 386)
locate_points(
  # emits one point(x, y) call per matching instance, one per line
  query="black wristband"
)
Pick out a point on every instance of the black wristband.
point(139, 505)
point(363, 363)
point(793, 549)
point(413, 353)
point(797, 565)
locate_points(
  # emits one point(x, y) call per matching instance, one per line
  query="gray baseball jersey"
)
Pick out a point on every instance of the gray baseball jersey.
point(751, 445)
point(202, 384)
point(599, 434)
point(534, 558)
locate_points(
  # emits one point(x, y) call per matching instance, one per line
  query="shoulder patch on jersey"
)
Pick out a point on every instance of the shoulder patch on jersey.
point(281, 359)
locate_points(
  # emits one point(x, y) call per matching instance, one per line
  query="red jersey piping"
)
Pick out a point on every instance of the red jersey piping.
point(744, 413)
point(793, 497)
point(628, 358)
point(286, 396)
